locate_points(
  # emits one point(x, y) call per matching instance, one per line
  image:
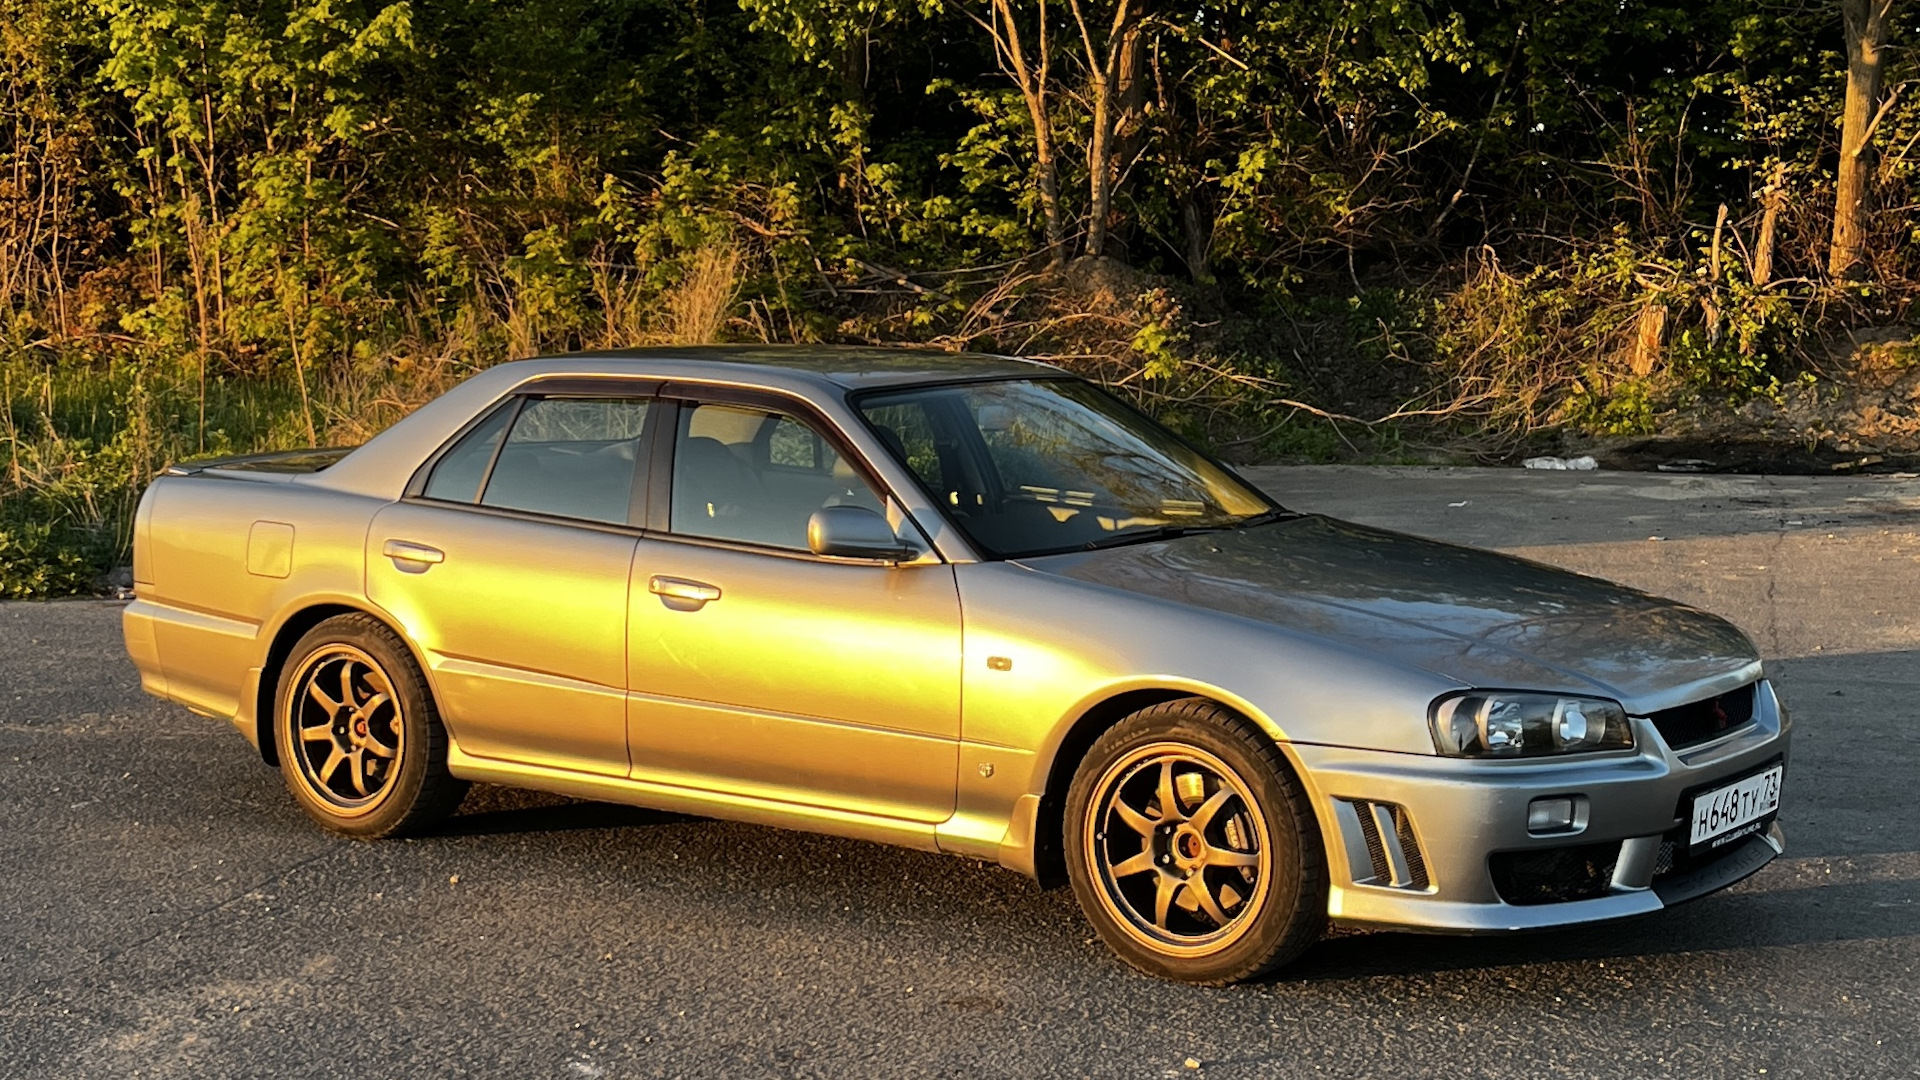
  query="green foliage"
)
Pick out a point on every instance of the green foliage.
point(1628, 408)
point(38, 560)
point(251, 223)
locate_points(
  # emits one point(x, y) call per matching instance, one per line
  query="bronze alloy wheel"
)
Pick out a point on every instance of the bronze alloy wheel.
point(1191, 847)
point(1182, 856)
point(357, 734)
point(350, 732)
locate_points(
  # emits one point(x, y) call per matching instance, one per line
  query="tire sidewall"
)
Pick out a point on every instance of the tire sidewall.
point(1295, 895)
point(415, 716)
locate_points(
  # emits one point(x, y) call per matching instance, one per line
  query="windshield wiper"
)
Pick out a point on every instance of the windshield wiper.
point(1278, 513)
point(1174, 532)
point(1156, 532)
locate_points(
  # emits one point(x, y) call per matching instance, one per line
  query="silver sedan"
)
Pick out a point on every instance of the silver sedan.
point(961, 603)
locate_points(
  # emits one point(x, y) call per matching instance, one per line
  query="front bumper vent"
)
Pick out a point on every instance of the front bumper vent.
point(1388, 851)
point(1674, 859)
point(1554, 875)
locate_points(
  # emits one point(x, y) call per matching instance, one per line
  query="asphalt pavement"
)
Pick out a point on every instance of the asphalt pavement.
point(165, 911)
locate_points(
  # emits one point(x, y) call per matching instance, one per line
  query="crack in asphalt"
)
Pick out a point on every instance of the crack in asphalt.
point(211, 909)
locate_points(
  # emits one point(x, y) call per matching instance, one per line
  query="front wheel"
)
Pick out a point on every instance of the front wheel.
point(1192, 848)
point(359, 739)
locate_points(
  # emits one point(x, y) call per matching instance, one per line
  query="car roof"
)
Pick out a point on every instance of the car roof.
point(851, 367)
point(382, 466)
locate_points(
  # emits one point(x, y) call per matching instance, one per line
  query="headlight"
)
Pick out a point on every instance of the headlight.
point(1503, 724)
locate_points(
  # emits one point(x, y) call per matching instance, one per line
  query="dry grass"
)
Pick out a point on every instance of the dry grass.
point(625, 303)
point(699, 306)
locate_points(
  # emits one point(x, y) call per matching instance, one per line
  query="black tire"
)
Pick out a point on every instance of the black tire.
point(1229, 881)
point(373, 759)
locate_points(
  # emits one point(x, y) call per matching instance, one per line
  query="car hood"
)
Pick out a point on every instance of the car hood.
point(1479, 618)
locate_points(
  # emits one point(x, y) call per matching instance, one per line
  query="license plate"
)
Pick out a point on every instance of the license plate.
point(1726, 814)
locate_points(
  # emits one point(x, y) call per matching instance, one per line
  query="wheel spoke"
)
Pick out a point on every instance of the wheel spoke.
point(320, 697)
point(320, 732)
point(373, 704)
point(1135, 820)
point(1230, 857)
point(378, 749)
point(335, 756)
point(1169, 801)
point(1197, 888)
point(360, 771)
point(1139, 864)
point(1204, 816)
point(1163, 891)
point(346, 683)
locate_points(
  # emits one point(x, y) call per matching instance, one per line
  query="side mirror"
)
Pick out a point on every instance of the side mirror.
point(854, 532)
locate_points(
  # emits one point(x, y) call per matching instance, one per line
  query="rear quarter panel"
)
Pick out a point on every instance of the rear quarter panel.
point(227, 560)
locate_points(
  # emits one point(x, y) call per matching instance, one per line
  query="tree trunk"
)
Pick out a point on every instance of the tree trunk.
point(1866, 25)
point(1031, 78)
point(1049, 189)
point(1100, 166)
point(1199, 237)
point(1107, 69)
point(1129, 127)
point(1774, 195)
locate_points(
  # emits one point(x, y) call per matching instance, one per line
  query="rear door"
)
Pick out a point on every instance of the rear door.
point(509, 569)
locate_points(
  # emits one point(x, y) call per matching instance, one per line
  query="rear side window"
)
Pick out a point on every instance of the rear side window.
point(570, 457)
point(458, 475)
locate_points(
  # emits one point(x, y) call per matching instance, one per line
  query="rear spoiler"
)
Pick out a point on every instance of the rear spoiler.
point(282, 464)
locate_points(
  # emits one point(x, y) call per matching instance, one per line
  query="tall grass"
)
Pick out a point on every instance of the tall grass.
point(82, 431)
point(77, 446)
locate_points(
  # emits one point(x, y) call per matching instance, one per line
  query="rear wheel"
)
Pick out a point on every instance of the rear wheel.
point(1192, 848)
point(359, 739)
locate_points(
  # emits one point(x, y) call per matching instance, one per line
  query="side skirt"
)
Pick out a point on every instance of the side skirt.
point(695, 801)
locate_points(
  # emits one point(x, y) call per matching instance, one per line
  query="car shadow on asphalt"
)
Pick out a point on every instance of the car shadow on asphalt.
point(1739, 920)
point(498, 811)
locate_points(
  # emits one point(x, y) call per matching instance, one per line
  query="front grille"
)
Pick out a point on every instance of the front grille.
point(1554, 875)
point(1698, 721)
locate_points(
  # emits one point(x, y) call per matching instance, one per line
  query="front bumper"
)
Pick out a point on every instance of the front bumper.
point(1429, 843)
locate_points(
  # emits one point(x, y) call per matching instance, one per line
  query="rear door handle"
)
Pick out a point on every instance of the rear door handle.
point(688, 594)
point(410, 552)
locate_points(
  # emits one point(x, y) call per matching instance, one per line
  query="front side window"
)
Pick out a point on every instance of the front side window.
point(756, 476)
point(1027, 467)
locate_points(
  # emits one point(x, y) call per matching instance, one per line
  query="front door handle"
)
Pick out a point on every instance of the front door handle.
point(419, 556)
point(683, 594)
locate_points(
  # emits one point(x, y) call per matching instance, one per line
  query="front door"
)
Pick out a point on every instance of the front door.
point(759, 669)
point(510, 572)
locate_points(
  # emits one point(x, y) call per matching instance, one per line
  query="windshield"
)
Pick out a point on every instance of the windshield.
point(1029, 467)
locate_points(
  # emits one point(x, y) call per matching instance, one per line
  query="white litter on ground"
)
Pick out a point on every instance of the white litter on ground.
point(1581, 463)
